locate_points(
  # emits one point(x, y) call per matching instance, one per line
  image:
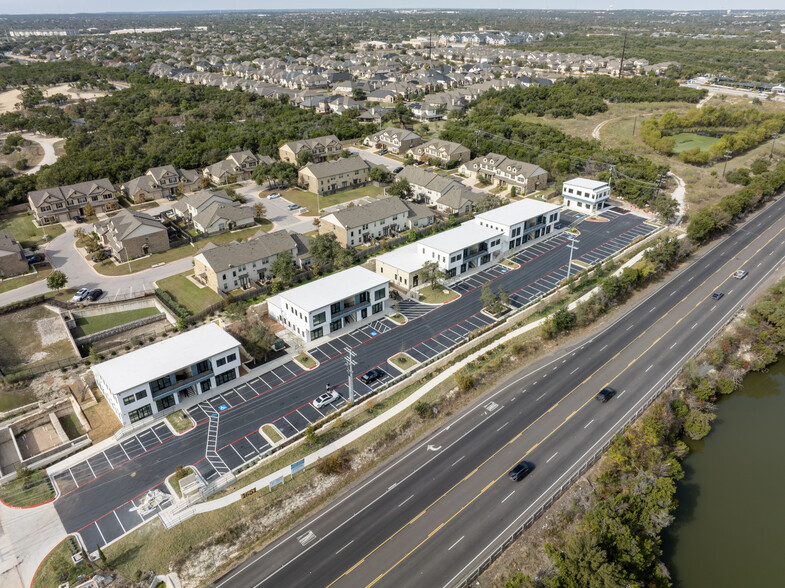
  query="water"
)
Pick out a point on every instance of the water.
point(730, 523)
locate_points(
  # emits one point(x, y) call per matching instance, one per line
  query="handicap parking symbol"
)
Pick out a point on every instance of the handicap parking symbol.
point(222, 407)
point(504, 271)
point(374, 333)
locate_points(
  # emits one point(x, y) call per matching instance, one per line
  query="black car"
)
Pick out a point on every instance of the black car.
point(36, 258)
point(95, 294)
point(605, 394)
point(78, 219)
point(170, 198)
point(397, 170)
point(717, 295)
point(520, 471)
point(372, 376)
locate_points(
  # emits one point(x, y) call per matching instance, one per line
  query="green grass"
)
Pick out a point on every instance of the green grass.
point(71, 426)
point(101, 322)
point(398, 318)
point(309, 200)
point(144, 206)
point(10, 400)
point(403, 361)
point(272, 433)
point(175, 478)
point(58, 565)
point(438, 295)
point(39, 490)
point(306, 361)
point(180, 421)
point(44, 269)
point(686, 141)
point(187, 293)
point(21, 226)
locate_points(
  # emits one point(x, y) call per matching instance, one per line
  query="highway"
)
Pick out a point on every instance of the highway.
point(430, 515)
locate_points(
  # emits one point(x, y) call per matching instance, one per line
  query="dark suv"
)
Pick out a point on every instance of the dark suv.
point(372, 376)
point(605, 394)
point(520, 471)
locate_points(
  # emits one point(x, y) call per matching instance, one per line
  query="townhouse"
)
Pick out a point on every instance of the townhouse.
point(320, 148)
point(394, 140)
point(131, 234)
point(54, 205)
point(159, 182)
point(504, 171)
point(236, 166)
point(330, 177)
point(445, 152)
point(440, 191)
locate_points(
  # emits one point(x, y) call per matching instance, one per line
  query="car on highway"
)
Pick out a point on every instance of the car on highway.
point(80, 295)
point(717, 295)
point(520, 471)
point(95, 294)
point(274, 195)
point(740, 274)
point(325, 399)
point(372, 375)
point(293, 206)
point(605, 394)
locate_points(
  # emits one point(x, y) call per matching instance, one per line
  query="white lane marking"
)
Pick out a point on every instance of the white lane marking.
point(552, 456)
point(457, 460)
point(587, 424)
point(628, 328)
point(306, 538)
point(405, 501)
point(100, 533)
point(693, 326)
point(622, 393)
point(674, 345)
point(672, 293)
point(761, 263)
point(456, 543)
point(506, 497)
point(575, 370)
point(344, 547)
point(652, 310)
point(691, 279)
point(730, 291)
point(713, 307)
point(118, 520)
point(539, 397)
point(604, 348)
point(504, 425)
point(648, 368)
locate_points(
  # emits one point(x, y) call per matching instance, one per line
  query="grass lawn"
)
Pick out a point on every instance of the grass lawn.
point(44, 269)
point(101, 322)
point(175, 478)
point(180, 421)
point(71, 426)
point(308, 200)
point(187, 293)
point(144, 206)
point(39, 490)
point(510, 263)
point(438, 295)
point(398, 318)
point(272, 433)
point(685, 141)
point(306, 361)
point(403, 361)
point(103, 420)
point(58, 567)
point(9, 400)
point(20, 225)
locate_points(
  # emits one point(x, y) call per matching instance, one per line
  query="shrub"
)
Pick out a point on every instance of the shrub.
point(337, 463)
point(464, 380)
point(423, 410)
point(169, 301)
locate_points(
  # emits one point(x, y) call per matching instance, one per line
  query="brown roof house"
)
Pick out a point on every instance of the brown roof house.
point(321, 149)
point(12, 258)
point(159, 182)
point(54, 205)
point(130, 234)
point(329, 177)
point(443, 151)
point(394, 140)
point(236, 166)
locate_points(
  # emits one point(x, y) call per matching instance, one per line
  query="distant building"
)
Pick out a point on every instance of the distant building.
point(394, 140)
point(588, 196)
point(320, 148)
point(443, 151)
point(503, 171)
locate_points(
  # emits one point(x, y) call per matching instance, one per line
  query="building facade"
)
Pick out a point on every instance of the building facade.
point(394, 140)
point(587, 196)
point(12, 259)
point(330, 177)
point(320, 148)
point(131, 234)
point(521, 222)
point(442, 151)
point(55, 205)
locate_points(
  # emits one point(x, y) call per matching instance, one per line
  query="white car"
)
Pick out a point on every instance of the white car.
point(740, 274)
point(274, 195)
point(325, 399)
point(80, 295)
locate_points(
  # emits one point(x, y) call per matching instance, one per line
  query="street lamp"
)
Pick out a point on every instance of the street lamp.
point(773, 140)
point(573, 241)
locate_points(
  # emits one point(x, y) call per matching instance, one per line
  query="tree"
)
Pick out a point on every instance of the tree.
point(487, 296)
point(563, 319)
point(259, 340)
point(260, 209)
point(666, 207)
point(56, 280)
point(283, 267)
point(31, 97)
point(304, 157)
point(412, 236)
point(401, 188)
point(324, 247)
point(345, 258)
point(431, 273)
point(379, 174)
point(88, 210)
point(504, 298)
point(488, 202)
point(21, 164)
point(102, 556)
point(358, 93)
point(408, 159)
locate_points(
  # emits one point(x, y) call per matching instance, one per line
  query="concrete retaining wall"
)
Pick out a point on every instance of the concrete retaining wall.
point(112, 307)
point(87, 339)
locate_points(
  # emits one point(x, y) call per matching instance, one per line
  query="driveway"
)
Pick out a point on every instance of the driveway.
point(48, 145)
point(277, 209)
point(375, 158)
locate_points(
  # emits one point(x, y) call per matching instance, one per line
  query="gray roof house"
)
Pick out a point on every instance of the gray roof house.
point(219, 217)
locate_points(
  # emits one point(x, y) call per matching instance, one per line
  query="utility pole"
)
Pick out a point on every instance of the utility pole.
point(773, 140)
point(728, 155)
point(350, 363)
point(623, 49)
point(573, 241)
point(634, 124)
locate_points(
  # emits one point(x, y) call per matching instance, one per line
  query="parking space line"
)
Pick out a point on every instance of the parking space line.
point(118, 520)
point(237, 452)
point(290, 424)
point(305, 417)
point(156, 435)
point(99, 532)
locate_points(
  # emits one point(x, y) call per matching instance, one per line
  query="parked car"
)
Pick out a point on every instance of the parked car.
point(605, 394)
point(170, 198)
point(520, 471)
point(740, 274)
point(78, 219)
point(293, 206)
point(397, 170)
point(274, 195)
point(717, 295)
point(382, 151)
point(372, 376)
point(80, 295)
point(35, 258)
point(325, 399)
point(95, 294)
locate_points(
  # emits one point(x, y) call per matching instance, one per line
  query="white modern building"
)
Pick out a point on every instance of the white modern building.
point(587, 196)
point(330, 304)
point(147, 381)
point(521, 221)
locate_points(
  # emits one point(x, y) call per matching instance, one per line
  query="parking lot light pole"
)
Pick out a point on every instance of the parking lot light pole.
point(573, 241)
point(350, 363)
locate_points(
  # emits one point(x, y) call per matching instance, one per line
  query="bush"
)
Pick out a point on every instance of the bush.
point(169, 301)
point(464, 380)
point(424, 410)
point(337, 463)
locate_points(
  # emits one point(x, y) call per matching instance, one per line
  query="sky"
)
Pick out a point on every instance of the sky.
point(97, 6)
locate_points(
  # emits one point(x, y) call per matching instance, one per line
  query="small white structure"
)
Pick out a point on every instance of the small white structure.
point(588, 196)
point(521, 221)
point(330, 304)
point(147, 381)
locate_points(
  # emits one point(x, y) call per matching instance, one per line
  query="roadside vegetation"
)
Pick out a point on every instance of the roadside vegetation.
point(31, 487)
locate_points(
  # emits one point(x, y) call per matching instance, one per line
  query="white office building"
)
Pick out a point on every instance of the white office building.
point(522, 221)
point(330, 304)
point(587, 196)
point(152, 379)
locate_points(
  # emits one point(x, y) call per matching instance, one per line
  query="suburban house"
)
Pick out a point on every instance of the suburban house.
point(12, 258)
point(521, 222)
point(439, 190)
point(159, 182)
point(54, 205)
point(330, 304)
point(236, 166)
point(387, 217)
point(131, 233)
point(152, 379)
point(329, 177)
point(585, 195)
point(237, 265)
point(443, 151)
point(219, 217)
point(394, 140)
point(321, 149)
point(190, 206)
point(504, 171)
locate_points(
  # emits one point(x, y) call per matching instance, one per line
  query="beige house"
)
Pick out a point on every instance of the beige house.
point(55, 205)
point(443, 151)
point(219, 217)
point(334, 176)
point(387, 217)
point(237, 265)
point(130, 234)
point(504, 171)
point(394, 140)
point(12, 258)
point(236, 166)
point(321, 149)
point(440, 190)
point(190, 206)
point(159, 182)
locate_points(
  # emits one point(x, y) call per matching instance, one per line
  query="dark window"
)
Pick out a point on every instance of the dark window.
point(142, 394)
point(140, 413)
point(203, 366)
point(225, 377)
point(129, 399)
point(335, 308)
point(318, 319)
point(316, 333)
point(160, 384)
point(335, 325)
point(165, 402)
point(377, 308)
point(364, 297)
point(379, 294)
point(231, 357)
point(221, 361)
point(205, 385)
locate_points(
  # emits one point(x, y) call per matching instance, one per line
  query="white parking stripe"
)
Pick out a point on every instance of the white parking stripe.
point(305, 417)
point(118, 520)
point(100, 533)
point(237, 452)
point(91, 468)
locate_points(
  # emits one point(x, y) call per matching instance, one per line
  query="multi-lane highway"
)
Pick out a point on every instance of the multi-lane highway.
point(432, 514)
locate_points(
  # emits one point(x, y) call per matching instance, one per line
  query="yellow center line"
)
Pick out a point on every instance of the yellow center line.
point(518, 436)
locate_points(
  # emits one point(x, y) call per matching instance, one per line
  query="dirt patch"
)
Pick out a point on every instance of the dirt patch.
point(9, 99)
point(37, 440)
point(102, 419)
point(50, 330)
point(23, 346)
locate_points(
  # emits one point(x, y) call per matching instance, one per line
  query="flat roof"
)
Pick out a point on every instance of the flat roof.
point(159, 359)
point(586, 183)
point(517, 212)
point(460, 237)
point(329, 289)
point(404, 258)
